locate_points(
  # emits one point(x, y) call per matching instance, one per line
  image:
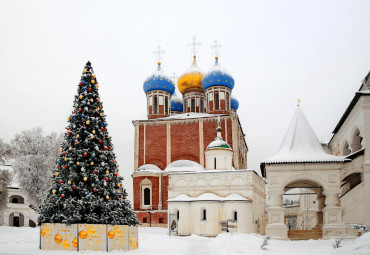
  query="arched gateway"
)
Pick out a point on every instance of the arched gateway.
point(301, 163)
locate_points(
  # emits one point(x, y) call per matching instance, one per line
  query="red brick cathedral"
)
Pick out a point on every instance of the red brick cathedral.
point(177, 133)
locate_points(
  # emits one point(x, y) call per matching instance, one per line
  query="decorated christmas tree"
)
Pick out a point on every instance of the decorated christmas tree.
point(87, 187)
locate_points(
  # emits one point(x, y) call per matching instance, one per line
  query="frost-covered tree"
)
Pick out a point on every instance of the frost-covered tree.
point(86, 186)
point(5, 151)
point(35, 155)
point(5, 178)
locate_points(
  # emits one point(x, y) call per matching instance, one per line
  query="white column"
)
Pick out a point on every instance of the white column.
point(333, 215)
point(276, 227)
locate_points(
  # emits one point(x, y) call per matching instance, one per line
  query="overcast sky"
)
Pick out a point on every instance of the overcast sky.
point(277, 51)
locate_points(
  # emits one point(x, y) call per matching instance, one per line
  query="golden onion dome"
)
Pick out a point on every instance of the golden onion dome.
point(191, 79)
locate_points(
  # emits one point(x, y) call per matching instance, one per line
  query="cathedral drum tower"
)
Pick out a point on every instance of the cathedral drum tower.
point(158, 89)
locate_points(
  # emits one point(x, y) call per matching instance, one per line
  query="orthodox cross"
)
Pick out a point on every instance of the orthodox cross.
point(158, 54)
point(216, 46)
point(174, 77)
point(194, 46)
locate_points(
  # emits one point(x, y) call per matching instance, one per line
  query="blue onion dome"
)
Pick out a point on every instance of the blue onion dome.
point(234, 103)
point(159, 81)
point(176, 103)
point(217, 76)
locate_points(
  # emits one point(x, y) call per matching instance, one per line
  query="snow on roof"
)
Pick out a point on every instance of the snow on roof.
point(189, 115)
point(149, 168)
point(300, 144)
point(208, 197)
point(218, 144)
point(184, 166)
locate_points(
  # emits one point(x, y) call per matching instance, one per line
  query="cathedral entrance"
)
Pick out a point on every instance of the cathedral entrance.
point(303, 203)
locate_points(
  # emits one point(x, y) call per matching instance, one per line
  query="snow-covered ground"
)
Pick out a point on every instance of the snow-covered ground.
point(156, 241)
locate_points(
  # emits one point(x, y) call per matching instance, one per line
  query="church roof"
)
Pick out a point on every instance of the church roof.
point(208, 197)
point(301, 145)
point(350, 108)
point(149, 168)
point(184, 166)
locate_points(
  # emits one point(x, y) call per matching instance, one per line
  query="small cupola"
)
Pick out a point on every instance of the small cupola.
point(158, 89)
point(219, 154)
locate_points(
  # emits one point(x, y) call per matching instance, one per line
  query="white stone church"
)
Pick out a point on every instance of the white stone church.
point(338, 173)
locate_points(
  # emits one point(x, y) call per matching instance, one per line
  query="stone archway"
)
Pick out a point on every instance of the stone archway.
point(307, 209)
point(327, 189)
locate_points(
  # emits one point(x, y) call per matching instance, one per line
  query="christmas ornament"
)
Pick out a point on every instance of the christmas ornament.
point(94, 190)
point(89, 89)
point(107, 197)
point(107, 172)
point(107, 179)
point(81, 97)
point(80, 110)
point(87, 122)
point(65, 167)
point(70, 148)
point(92, 163)
point(78, 163)
point(92, 81)
point(62, 195)
point(82, 116)
point(85, 154)
point(86, 193)
point(56, 174)
point(77, 136)
point(54, 191)
point(74, 187)
point(92, 137)
point(93, 132)
point(85, 178)
point(69, 182)
point(61, 149)
point(91, 100)
point(58, 238)
point(101, 114)
point(60, 182)
point(95, 171)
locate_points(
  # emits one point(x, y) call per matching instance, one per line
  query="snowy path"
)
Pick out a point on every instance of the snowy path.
point(156, 241)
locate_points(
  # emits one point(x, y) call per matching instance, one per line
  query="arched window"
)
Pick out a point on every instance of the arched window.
point(215, 163)
point(217, 103)
point(192, 105)
point(227, 102)
point(204, 214)
point(166, 105)
point(235, 216)
point(146, 196)
point(155, 105)
point(178, 215)
point(15, 200)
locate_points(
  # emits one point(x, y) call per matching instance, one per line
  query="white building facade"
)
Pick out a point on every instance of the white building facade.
point(203, 199)
point(341, 179)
